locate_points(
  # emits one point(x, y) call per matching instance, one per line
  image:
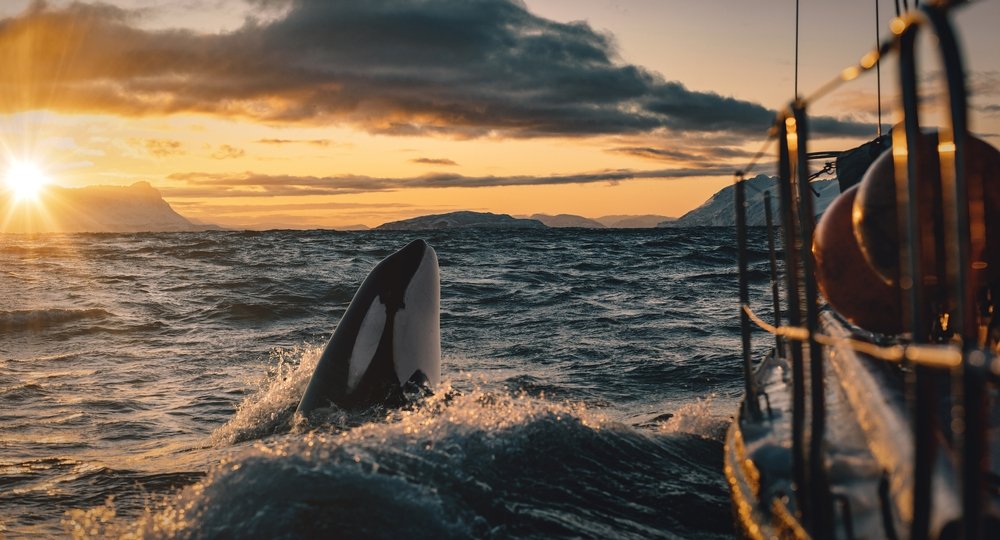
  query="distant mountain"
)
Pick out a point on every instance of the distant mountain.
point(486, 219)
point(647, 221)
point(458, 220)
point(719, 211)
point(136, 208)
point(568, 220)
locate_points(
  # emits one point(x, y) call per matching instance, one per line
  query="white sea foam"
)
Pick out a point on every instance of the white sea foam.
point(337, 470)
point(697, 418)
point(270, 407)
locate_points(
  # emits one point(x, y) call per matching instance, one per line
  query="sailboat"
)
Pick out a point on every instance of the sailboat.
point(875, 415)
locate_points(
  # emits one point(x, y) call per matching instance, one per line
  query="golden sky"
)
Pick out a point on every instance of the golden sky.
point(323, 113)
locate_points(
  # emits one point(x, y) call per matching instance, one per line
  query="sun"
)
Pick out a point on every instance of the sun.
point(25, 180)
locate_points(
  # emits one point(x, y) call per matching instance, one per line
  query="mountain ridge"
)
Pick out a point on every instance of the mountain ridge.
point(95, 209)
point(718, 210)
point(463, 219)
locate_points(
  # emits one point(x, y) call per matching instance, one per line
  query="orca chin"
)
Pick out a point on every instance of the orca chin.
point(388, 343)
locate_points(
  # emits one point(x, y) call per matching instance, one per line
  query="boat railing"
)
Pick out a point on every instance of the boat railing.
point(962, 355)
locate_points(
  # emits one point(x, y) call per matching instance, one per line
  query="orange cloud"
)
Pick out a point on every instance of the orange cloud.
point(316, 142)
point(226, 151)
point(248, 184)
point(161, 147)
point(434, 161)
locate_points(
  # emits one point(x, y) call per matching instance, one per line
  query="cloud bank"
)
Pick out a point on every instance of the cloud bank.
point(459, 68)
point(704, 155)
point(249, 184)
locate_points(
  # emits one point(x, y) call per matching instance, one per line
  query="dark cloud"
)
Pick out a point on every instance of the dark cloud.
point(270, 4)
point(705, 111)
point(712, 154)
point(259, 185)
point(827, 125)
point(983, 83)
point(663, 154)
point(727, 152)
point(223, 209)
point(460, 68)
point(434, 161)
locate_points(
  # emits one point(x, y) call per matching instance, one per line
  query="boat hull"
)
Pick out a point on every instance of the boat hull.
point(753, 518)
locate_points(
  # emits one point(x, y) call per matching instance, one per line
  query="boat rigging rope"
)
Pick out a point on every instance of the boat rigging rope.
point(764, 150)
point(867, 62)
point(848, 74)
point(830, 167)
point(937, 356)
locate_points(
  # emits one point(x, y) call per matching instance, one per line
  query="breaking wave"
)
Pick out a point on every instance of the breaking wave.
point(481, 464)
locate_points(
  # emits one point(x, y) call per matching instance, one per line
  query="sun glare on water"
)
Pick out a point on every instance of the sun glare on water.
point(24, 180)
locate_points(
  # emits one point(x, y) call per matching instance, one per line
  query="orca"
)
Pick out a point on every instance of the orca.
point(388, 342)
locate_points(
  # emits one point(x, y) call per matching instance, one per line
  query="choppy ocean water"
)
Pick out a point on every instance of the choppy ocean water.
point(148, 383)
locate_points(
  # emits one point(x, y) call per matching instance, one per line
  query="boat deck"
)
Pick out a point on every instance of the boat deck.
point(868, 452)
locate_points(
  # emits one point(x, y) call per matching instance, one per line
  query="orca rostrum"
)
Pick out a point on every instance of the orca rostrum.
point(389, 339)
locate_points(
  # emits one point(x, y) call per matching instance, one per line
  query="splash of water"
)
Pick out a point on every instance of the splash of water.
point(374, 463)
point(270, 407)
point(697, 418)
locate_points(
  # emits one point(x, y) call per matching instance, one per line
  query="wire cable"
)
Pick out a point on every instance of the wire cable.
point(878, 71)
point(796, 49)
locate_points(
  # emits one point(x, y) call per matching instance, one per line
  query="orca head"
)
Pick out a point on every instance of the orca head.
point(389, 336)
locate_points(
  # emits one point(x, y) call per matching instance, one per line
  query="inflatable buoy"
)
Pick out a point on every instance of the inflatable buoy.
point(875, 217)
point(846, 279)
point(876, 225)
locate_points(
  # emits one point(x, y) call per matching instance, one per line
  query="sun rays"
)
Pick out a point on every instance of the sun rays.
point(25, 180)
point(23, 207)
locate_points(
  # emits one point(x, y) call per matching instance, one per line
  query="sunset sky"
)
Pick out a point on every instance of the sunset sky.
point(326, 113)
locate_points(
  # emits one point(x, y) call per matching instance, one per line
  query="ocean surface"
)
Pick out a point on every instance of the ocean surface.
point(148, 384)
